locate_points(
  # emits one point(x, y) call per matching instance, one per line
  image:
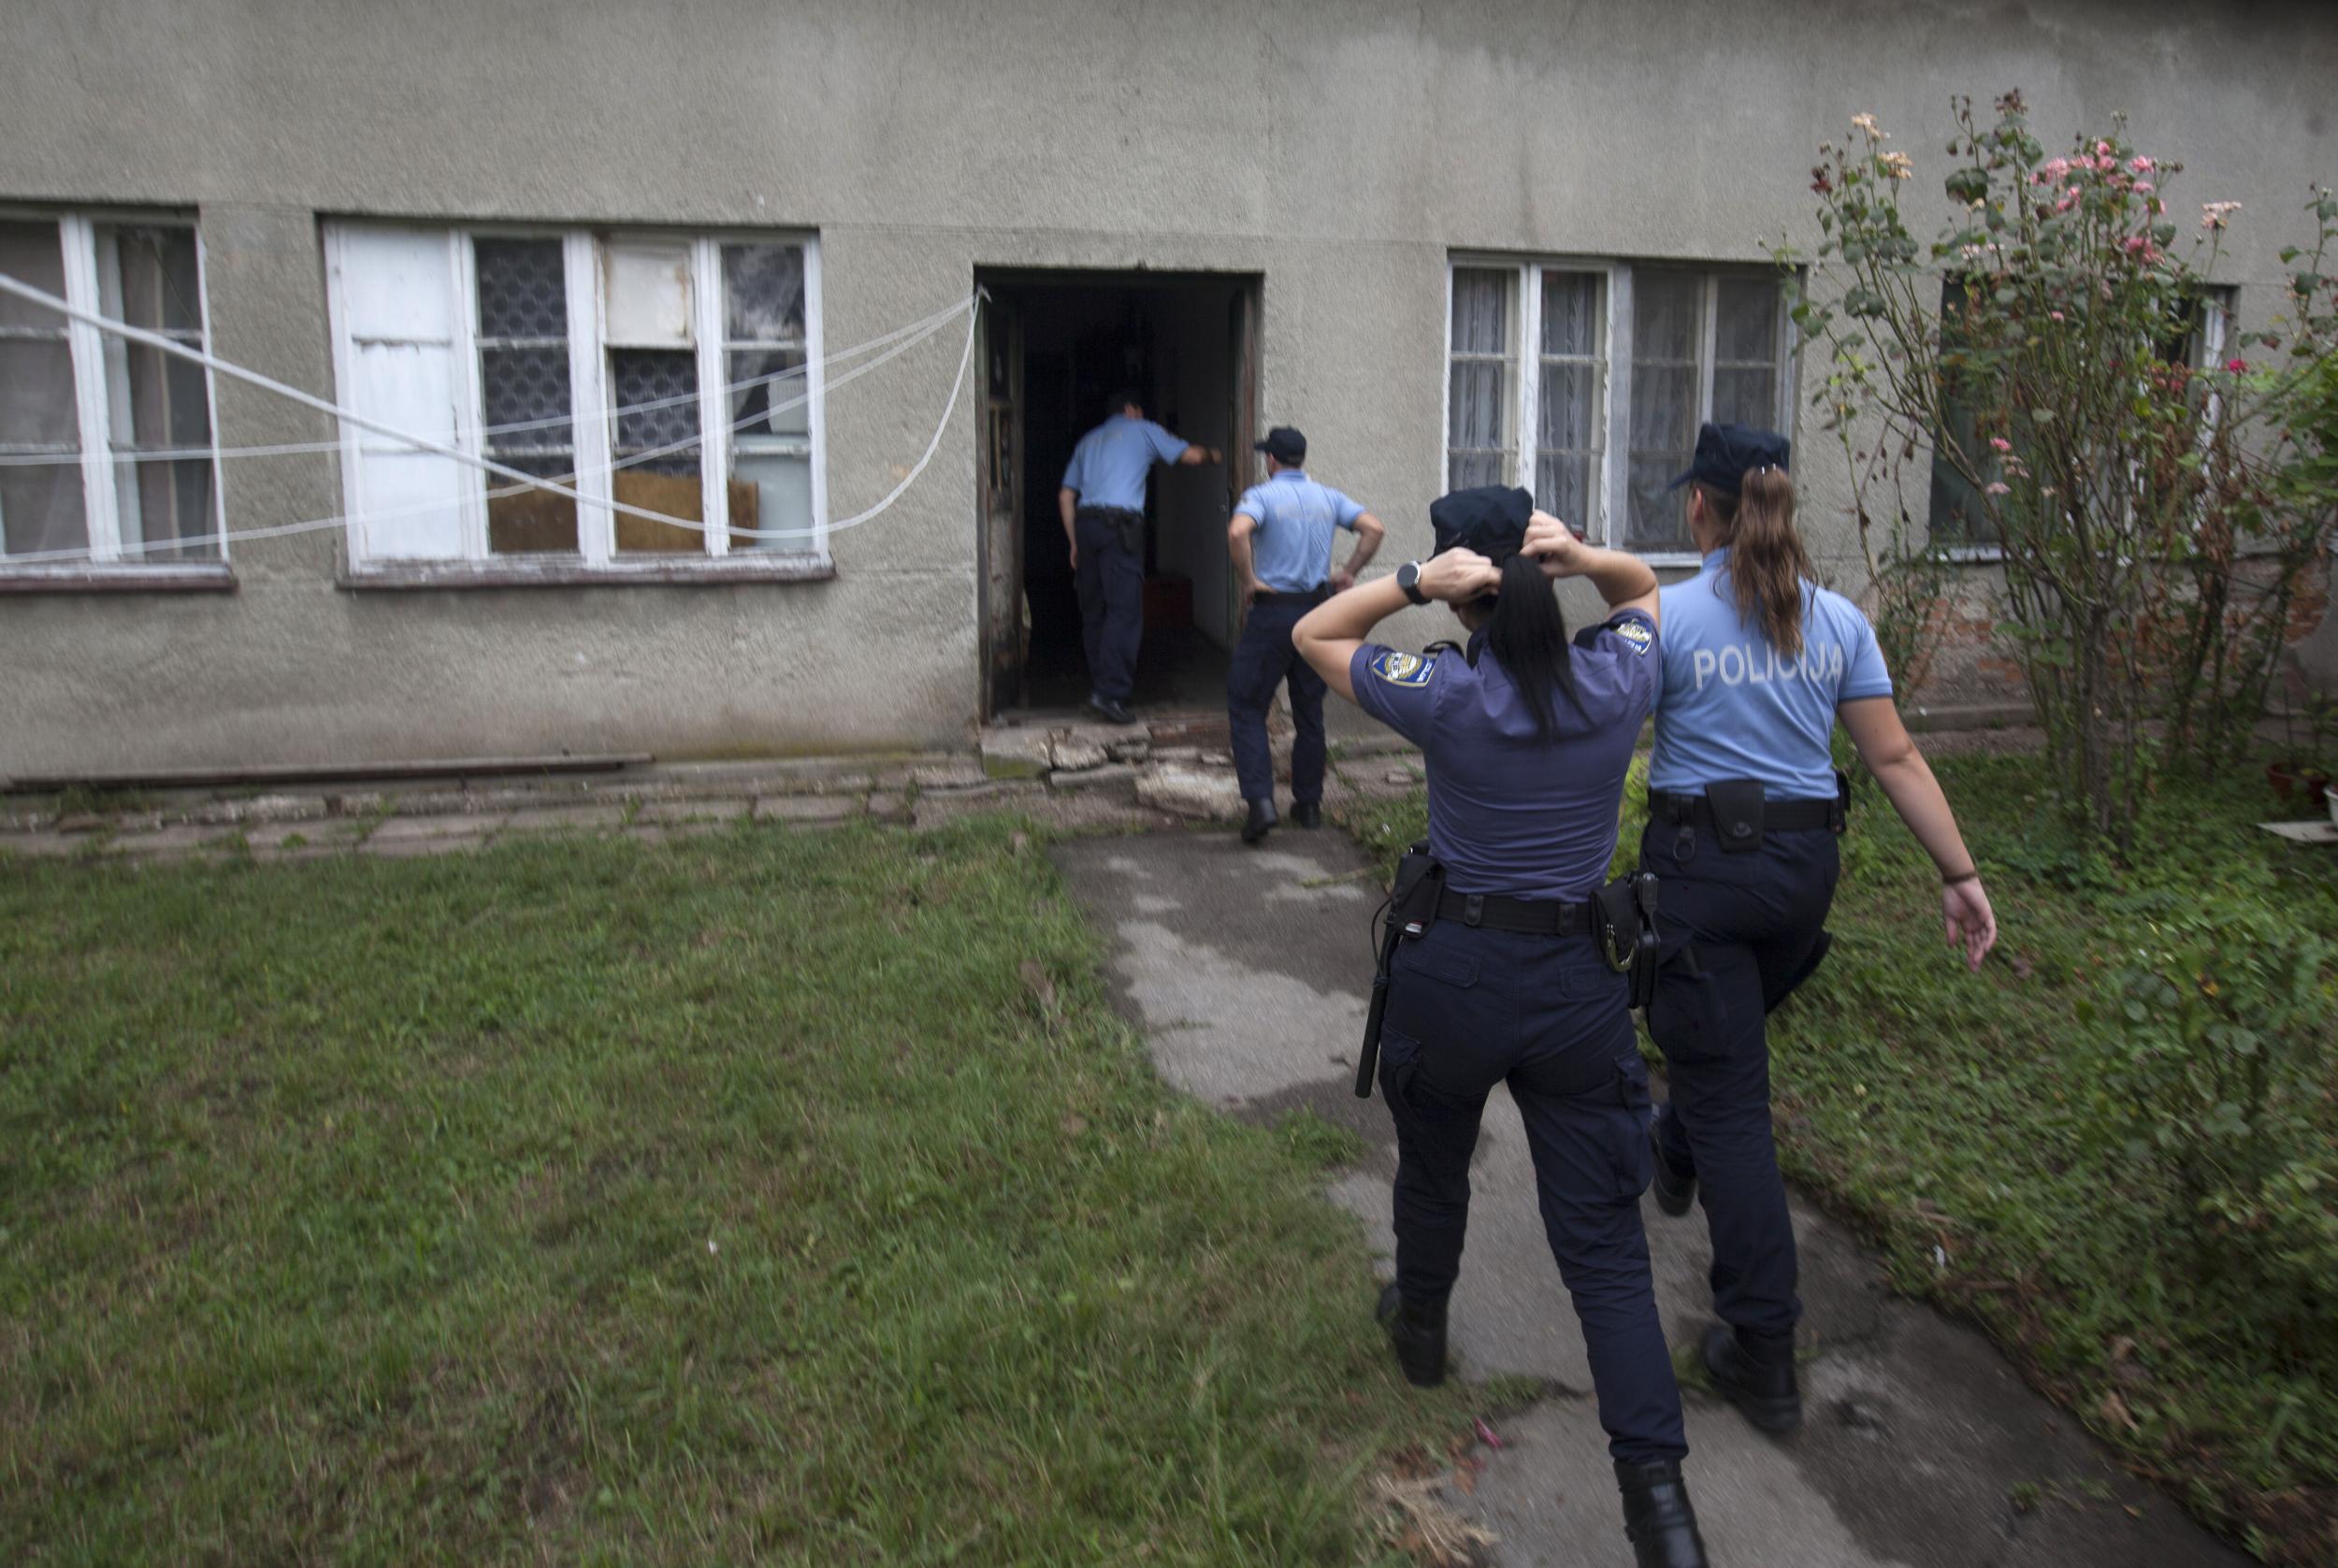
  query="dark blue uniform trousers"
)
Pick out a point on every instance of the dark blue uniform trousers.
point(1739, 932)
point(1471, 1008)
point(1110, 580)
point(1263, 659)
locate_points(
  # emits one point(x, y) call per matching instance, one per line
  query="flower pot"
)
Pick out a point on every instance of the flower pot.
point(2314, 784)
point(2283, 776)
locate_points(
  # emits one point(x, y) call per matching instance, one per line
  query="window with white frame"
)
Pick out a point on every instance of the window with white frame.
point(1624, 361)
point(106, 450)
point(648, 374)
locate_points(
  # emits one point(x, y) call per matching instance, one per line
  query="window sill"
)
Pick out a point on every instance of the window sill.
point(411, 576)
point(207, 577)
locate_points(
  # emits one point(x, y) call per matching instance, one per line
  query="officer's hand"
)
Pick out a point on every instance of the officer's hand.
point(1342, 580)
point(1972, 924)
point(1076, 554)
point(1552, 543)
point(1459, 575)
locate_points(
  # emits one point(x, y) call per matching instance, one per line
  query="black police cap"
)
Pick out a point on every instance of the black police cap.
point(1283, 444)
point(1726, 452)
point(1489, 520)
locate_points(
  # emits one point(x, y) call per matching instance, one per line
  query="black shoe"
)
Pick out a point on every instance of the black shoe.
point(1760, 1383)
point(1657, 1518)
point(1261, 820)
point(1307, 813)
point(1674, 1191)
point(1111, 708)
point(1419, 1336)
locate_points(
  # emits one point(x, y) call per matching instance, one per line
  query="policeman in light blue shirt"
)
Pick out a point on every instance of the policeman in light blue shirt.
point(1103, 505)
point(1744, 806)
point(1280, 538)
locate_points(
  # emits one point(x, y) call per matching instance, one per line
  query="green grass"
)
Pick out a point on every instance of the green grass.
point(1959, 1120)
point(757, 1197)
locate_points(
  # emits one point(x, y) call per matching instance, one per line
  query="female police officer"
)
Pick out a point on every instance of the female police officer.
point(1526, 743)
point(1743, 807)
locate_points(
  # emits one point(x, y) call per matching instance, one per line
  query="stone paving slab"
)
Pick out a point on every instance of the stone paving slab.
point(1247, 968)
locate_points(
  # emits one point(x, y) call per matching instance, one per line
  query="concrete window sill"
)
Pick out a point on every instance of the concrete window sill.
point(410, 577)
point(207, 577)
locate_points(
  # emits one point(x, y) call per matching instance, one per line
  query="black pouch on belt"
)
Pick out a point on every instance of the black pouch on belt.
point(1623, 915)
point(1131, 531)
point(1412, 900)
point(1737, 808)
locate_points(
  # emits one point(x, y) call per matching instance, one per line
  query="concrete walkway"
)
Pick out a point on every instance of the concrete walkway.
point(1247, 968)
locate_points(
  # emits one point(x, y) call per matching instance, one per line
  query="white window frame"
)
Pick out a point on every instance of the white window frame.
point(1615, 380)
point(94, 403)
point(591, 416)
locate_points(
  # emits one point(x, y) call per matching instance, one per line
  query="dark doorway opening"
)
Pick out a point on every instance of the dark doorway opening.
point(1056, 345)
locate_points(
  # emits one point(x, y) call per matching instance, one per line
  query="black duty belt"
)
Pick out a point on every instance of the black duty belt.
point(1316, 595)
point(1540, 917)
point(1778, 816)
point(1110, 514)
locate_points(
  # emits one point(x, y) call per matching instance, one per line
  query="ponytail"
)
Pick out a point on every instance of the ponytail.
point(1766, 563)
point(1527, 637)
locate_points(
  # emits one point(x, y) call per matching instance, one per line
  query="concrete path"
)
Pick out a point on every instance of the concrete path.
point(1246, 968)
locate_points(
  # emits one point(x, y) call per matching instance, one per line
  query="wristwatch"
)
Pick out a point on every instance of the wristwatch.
point(1408, 579)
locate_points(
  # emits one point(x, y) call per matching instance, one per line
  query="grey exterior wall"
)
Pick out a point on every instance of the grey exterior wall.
point(1340, 150)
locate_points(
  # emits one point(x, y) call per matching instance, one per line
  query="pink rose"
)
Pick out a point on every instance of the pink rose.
point(2102, 150)
point(2236, 364)
point(2141, 165)
point(1997, 490)
point(2000, 443)
point(2144, 187)
point(2053, 315)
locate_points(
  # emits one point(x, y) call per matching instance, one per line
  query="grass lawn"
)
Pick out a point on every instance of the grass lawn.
point(2149, 1224)
point(759, 1196)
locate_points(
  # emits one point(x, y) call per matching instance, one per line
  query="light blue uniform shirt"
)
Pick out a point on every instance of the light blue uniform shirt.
point(1109, 466)
point(1291, 549)
point(1732, 708)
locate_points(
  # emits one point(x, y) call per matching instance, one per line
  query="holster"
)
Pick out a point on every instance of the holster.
point(1411, 909)
point(1130, 529)
point(1623, 917)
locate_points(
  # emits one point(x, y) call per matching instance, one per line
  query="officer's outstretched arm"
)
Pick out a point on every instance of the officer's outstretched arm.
point(1328, 636)
point(1891, 755)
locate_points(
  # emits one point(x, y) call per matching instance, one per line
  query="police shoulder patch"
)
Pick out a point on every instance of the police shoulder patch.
point(1402, 670)
point(1635, 632)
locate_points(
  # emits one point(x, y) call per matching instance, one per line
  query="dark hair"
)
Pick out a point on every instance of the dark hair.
point(1767, 562)
point(1528, 638)
point(1126, 397)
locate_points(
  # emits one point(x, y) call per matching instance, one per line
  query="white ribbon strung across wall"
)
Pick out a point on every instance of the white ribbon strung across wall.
point(908, 337)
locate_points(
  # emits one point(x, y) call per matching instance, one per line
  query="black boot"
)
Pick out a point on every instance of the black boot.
point(1675, 1192)
point(1657, 1518)
point(1307, 813)
point(1418, 1335)
point(1261, 820)
point(1758, 1379)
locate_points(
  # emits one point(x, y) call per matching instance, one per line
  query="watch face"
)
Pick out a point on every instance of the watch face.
point(1409, 575)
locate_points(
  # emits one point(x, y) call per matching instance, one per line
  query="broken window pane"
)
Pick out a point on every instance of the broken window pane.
point(656, 447)
point(768, 394)
point(525, 393)
point(764, 294)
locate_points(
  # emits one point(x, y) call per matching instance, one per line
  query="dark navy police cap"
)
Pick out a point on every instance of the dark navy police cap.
point(1283, 444)
point(1725, 453)
point(1489, 520)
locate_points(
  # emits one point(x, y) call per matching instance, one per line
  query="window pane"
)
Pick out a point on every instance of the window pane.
point(525, 388)
point(1659, 518)
point(772, 491)
point(1746, 398)
point(166, 511)
point(776, 404)
point(1466, 470)
point(656, 448)
point(162, 402)
point(1481, 400)
point(1481, 310)
point(764, 294)
point(33, 252)
point(523, 288)
point(1664, 309)
point(1563, 486)
point(1567, 408)
point(40, 509)
point(532, 521)
point(1570, 313)
point(153, 285)
point(36, 394)
point(1746, 328)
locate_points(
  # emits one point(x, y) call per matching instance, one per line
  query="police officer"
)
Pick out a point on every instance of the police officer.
point(1528, 740)
point(1280, 538)
point(1103, 505)
point(1744, 805)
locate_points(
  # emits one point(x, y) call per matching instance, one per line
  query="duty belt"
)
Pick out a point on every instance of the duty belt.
point(1532, 916)
point(1783, 816)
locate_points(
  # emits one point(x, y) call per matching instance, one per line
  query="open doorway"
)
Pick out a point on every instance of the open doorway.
point(1056, 345)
